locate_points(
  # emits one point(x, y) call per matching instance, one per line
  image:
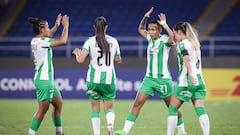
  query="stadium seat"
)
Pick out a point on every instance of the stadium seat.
point(123, 16)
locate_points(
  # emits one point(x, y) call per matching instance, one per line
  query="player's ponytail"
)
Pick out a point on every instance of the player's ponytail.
point(191, 35)
point(187, 30)
point(37, 24)
point(100, 24)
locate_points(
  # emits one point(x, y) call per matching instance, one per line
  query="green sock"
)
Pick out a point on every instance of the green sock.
point(180, 121)
point(109, 111)
point(200, 111)
point(35, 124)
point(57, 121)
point(172, 111)
point(131, 117)
point(95, 114)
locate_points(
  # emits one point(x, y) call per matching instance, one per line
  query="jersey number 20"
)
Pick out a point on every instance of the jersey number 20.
point(107, 58)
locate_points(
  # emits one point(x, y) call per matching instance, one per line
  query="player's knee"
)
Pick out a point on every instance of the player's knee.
point(42, 111)
point(57, 105)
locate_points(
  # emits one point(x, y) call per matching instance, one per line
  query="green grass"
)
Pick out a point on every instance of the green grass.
point(15, 118)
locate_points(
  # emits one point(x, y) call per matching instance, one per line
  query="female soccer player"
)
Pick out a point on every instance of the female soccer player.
point(191, 85)
point(101, 78)
point(158, 78)
point(47, 92)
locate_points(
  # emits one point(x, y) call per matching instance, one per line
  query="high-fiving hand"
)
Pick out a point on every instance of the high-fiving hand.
point(58, 20)
point(149, 12)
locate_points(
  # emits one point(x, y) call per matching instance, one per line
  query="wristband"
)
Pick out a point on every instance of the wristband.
point(164, 24)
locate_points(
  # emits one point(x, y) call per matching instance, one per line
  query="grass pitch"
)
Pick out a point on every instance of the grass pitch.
point(16, 115)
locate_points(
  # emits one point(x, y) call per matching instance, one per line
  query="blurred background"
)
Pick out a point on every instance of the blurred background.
point(216, 21)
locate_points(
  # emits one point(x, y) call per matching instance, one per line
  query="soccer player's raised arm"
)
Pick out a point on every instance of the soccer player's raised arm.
point(163, 21)
point(57, 24)
point(64, 36)
point(142, 26)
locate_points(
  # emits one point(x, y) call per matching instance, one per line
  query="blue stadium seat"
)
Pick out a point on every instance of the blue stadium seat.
point(123, 16)
point(230, 25)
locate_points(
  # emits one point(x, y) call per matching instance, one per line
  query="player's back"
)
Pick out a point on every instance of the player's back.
point(101, 67)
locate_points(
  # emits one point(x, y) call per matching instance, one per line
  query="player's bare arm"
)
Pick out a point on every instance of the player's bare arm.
point(142, 26)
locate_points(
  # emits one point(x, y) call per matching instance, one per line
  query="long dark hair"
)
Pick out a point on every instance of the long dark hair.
point(100, 24)
point(37, 24)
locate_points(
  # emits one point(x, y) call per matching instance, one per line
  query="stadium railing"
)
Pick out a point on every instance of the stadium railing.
point(130, 46)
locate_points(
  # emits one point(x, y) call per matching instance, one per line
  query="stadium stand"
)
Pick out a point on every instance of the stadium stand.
point(230, 24)
point(228, 27)
point(123, 18)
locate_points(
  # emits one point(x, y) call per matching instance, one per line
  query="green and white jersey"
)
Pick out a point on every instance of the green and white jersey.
point(42, 57)
point(185, 48)
point(101, 68)
point(157, 57)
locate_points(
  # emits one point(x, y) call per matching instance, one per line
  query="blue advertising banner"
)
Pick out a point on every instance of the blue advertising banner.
point(71, 83)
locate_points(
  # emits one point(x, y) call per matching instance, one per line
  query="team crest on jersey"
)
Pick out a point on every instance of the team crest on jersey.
point(181, 46)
